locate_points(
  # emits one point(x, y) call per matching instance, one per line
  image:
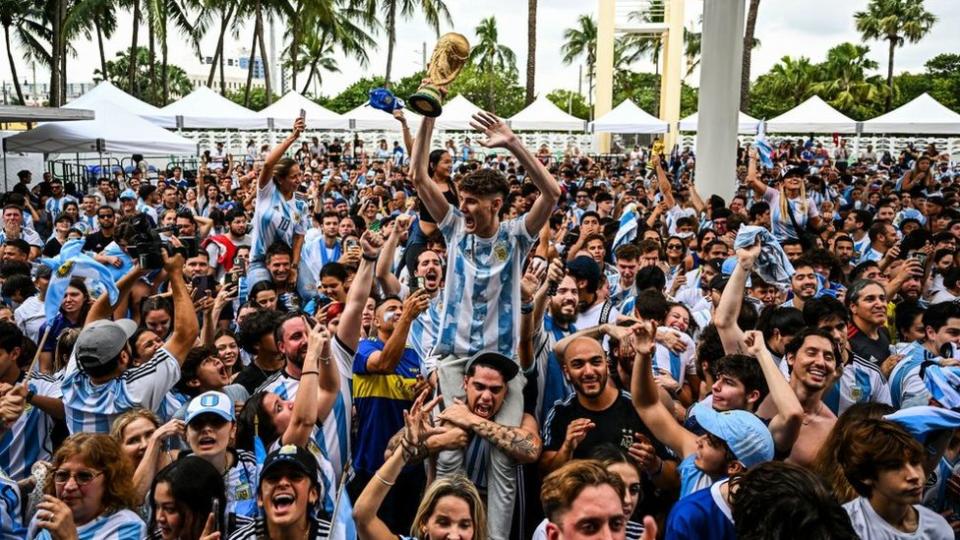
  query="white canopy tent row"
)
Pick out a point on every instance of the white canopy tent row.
point(457, 114)
point(745, 123)
point(366, 118)
point(113, 130)
point(812, 116)
point(106, 94)
point(921, 115)
point(543, 115)
point(205, 109)
point(287, 109)
point(627, 117)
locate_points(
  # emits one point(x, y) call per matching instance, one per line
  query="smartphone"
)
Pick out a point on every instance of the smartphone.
point(920, 256)
point(351, 243)
point(299, 196)
point(303, 114)
point(215, 510)
point(201, 284)
point(239, 268)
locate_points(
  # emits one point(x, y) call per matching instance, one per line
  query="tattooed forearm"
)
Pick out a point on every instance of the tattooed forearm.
point(517, 442)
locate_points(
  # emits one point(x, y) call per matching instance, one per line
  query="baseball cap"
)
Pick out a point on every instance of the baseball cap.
point(211, 402)
point(101, 341)
point(746, 435)
point(507, 367)
point(295, 456)
point(128, 194)
point(923, 420)
point(585, 268)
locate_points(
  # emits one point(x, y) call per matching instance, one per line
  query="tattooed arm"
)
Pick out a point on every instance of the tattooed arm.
point(522, 443)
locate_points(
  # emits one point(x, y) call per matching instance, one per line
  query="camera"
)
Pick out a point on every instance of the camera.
point(146, 244)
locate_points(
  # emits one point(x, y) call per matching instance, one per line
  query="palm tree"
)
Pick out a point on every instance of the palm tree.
point(13, 15)
point(581, 41)
point(132, 68)
point(100, 16)
point(490, 56)
point(793, 80)
point(895, 21)
point(844, 79)
point(531, 49)
point(433, 11)
point(226, 10)
point(747, 55)
point(345, 32)
point(259, 9)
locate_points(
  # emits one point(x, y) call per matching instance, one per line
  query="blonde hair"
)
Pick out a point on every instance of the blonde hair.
point(65, 343)
point(458, 486)
point(103, 453)
point(784, 200)
point(121, 422)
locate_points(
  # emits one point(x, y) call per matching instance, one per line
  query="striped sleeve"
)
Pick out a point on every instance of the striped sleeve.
point(148, 384)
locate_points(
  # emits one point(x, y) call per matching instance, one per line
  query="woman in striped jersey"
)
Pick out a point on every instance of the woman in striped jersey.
point(89, 494)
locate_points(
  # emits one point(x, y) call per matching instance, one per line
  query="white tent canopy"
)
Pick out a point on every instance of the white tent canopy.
point(205, 109)
point(812, 116)
point(627, 117)
point(457, 114)
point(106, 93)
point(114, 130)
point(287, 109)
point(366, 118)
point(745, 123)
point(921, 115)
point(543, 115)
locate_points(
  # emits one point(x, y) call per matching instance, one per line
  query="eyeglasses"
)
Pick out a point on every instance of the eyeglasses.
point(82, 478)
point(105, 216)
point(674, 246)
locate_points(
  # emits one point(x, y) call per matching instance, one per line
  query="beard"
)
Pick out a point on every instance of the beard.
point(580, 390)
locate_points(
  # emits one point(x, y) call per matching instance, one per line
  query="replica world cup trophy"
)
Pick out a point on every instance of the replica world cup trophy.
point(448, 58)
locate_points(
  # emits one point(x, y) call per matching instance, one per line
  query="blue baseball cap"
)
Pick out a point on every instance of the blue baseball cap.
point(211, 402)
point(745, 434)
point(923, 420)
point(128, 194)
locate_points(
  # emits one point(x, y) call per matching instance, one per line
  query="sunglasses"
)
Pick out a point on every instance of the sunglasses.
point(82, 478)
point(674, 246)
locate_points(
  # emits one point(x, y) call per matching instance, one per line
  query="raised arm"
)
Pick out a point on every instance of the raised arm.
point(407, 136)
point(646, 397)
point(306, 406)
point(662, 182)
point(728, 310)
point(101, 308)
point(266, 174)
point(753, 179)
point(785, 426)
point(529, 286)
point(499, 135)
point(386, 361)
point(186, 328)
point(348, 331)
point(389, 282)
point(427, 189)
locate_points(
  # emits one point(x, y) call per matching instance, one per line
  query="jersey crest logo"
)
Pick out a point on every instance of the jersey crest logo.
point(65, 269)
point(500, 252)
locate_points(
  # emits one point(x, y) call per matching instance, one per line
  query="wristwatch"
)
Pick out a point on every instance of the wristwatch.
point(30, 394)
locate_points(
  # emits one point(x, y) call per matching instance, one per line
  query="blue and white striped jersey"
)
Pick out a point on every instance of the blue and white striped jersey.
point(907, 388)
point(334, 438)
point(29, 236)
point(241, 482)
point(91, 408)
point(275, 218)
point(782, 225)
point(423, 335)
point(119, 525)
point(28, 439)
point(481, 297)
point(11, 524)
point(173, 401)
point(861, 382)
point(552, 386)
point(677, 365)
point(55, 206)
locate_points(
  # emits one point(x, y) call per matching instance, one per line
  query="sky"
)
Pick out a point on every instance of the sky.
point(784, 27)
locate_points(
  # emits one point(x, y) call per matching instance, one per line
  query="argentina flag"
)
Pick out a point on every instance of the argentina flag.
point(763, 147)
point(343, 527)
point(627, 231)
point(70, 263)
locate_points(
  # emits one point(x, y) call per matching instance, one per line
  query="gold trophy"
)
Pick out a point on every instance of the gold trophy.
point(657, 150)
point(448, 58)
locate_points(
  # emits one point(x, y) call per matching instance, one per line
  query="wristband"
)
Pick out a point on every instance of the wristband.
point(311, 372)
point(371, 259)
point(526, 309)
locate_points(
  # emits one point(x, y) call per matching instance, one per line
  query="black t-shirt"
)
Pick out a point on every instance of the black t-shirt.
point(450, 195)
point(96, 242)
point(874, 351)
point(333, 152)
point(615, 425)
point(52, 247)
point(252, 377)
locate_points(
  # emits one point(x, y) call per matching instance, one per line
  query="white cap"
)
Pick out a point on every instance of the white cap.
point(211, 402)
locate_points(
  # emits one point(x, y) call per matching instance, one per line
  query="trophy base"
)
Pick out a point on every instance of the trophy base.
point(426, 101)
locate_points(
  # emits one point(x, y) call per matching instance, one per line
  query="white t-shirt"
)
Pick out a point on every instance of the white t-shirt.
point(870, 526)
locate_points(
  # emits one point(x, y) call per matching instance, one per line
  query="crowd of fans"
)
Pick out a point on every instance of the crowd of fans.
point(482, 341)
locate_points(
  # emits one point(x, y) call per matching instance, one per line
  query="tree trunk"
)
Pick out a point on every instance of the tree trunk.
point(889, 100)
point(313, 71)
point(747, 57)
point(218, 51)
point(13, 66)
point(223, 76)
point(294, 44)
point(132, 57)
point(63, 52)
point(151, 89)
point(264, 58)
point(54, 98)
point(253, 56)
point(103, 56)
point(391, 40)
point(164, 54)
point(531, 49)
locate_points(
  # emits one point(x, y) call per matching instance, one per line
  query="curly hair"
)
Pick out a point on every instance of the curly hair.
point(103, 453)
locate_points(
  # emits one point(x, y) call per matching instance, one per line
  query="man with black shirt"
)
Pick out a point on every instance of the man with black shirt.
point(23, 185)
point(597, 413)
point(97, 241)
point(867, 302)
point(334, 151)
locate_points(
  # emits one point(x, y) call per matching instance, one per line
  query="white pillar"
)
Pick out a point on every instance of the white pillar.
point(719, 101)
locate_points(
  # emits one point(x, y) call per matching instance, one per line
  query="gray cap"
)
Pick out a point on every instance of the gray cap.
point(101, 341)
